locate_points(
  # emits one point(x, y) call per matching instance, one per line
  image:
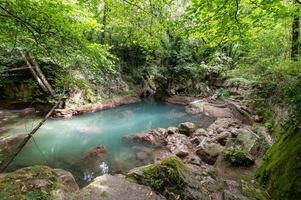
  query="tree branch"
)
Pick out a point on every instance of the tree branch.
point(27, 25)
point(236, 18)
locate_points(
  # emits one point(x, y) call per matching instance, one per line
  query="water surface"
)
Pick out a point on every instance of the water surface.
point(64, 143)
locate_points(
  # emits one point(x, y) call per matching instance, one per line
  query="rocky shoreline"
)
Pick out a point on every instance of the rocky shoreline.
point(94, 107)
point(190, 162)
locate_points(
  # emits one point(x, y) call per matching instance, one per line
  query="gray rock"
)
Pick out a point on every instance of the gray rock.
point(201, 132)
point(56, 183)
point(209, 152)
point(156, 137)
point(222, 137)
point(227, 195)
point(117, 188)
point(178, 180)
point(172, 130)
point(187, 128)
point(249, 140)
point(233, 191)
point(9, 144)
point(193, 194)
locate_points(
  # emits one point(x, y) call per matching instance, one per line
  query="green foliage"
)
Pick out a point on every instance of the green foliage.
point(55, 33)
point(223, 93)
point(236, 156)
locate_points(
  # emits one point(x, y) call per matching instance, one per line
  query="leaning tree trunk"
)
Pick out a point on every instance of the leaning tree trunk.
point(40, 74)
point(37, 73)
point(295, 35)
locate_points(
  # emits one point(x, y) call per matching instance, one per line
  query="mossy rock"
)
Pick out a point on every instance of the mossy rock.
point(280, 171)
point(171, 178)
point(251, 189)
point(37, 182)
point(237, 157)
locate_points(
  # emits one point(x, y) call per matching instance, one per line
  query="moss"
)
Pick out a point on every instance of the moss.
point(21, 184)
point(103, 194)
point(167, 173)
point(253, 190)
point(281, 167)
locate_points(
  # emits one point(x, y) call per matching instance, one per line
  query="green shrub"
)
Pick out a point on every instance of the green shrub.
point(223, 93)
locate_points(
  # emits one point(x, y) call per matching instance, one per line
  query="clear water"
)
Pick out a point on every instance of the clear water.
point(64, 143)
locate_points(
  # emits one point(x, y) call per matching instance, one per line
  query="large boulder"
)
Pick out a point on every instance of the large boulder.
point(237, 157)
point(171, 178)
point(224, 109)
point(209, 109)
point(187, 128)
point(250, 141)
point(37, 182)
point(209, 152)
point(116, 187)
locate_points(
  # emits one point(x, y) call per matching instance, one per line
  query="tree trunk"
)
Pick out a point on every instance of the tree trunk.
point(295, 35)
point(40, 82)
point(41, 75)
point(37, 74)
point(104, 22)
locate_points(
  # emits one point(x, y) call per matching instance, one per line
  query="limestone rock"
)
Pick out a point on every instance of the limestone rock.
point(201, 132)
point(173, 179)
point(172, 130)
point(9, 144)
point(209, 152)
point(249, 140)
point(233, 192)
point(154, 137)
point(116, 188)
point(187, 128)
point(181, 100)
point(36, 182)
point(222, 137)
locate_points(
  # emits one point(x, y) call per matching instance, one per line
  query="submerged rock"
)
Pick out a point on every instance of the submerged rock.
point(9, 144)
point(154, 137)
point(98, 152)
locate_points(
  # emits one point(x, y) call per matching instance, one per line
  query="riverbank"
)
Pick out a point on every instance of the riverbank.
point(208, 152)
point(73, 110)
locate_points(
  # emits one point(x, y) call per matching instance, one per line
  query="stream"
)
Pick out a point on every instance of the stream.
point(63, 143)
